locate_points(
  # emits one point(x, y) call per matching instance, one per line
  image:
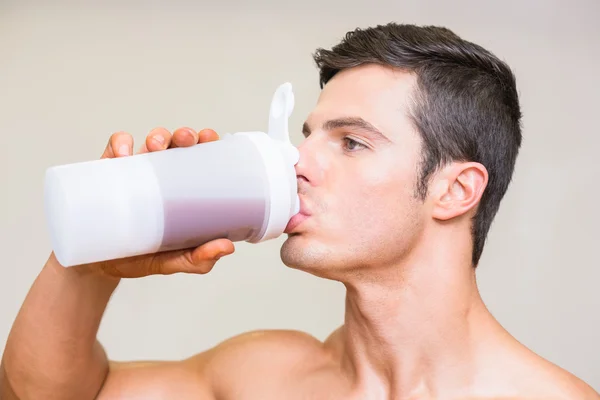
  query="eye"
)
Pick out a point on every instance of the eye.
point(352, 145)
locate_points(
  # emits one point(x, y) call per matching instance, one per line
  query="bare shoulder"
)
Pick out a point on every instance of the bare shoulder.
point(548, 379)
point(239, 363)
point(265, 347)
point(275, 339)
point(259, 361)
point(568, 385)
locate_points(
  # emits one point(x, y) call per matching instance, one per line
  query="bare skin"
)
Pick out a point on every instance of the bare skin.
point(415, 324)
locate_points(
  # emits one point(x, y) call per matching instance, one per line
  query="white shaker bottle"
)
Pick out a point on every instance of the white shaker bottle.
point(242, 187)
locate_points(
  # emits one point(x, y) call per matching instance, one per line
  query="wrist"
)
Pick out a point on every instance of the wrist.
point(93, 272)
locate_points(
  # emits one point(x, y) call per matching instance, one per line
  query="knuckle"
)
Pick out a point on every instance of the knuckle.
point(205, 267)
point(154, 266)
point(200, 266)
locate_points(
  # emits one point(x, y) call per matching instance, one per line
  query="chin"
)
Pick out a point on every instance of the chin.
point(310, 255)
point(299, 252)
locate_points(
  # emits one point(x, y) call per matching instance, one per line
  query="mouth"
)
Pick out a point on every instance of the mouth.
point(297, 219)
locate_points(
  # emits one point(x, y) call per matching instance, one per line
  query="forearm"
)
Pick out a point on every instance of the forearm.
point(52, 351)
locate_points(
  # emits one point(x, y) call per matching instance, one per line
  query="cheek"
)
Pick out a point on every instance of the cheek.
point(368, 200)
point(378, 222)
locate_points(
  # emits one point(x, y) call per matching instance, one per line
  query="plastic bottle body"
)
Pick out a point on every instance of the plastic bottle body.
point(173, 199)
point(242, 188)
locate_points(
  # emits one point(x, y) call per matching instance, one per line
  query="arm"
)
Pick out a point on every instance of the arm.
point(52, 351)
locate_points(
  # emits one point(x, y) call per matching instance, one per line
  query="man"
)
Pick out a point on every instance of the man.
point(407, 156)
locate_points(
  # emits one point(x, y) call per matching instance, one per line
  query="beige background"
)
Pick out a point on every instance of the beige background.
point(72, 75)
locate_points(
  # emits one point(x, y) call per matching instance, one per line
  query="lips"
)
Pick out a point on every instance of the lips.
point(303, 214)
point(294, 222)
point(297, 219)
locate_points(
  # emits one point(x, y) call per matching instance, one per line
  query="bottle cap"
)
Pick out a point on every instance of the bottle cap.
point(280, 156)
point(282, 106)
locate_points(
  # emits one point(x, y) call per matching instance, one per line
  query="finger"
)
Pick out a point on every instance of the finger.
point(120, 144)
point(158, 139)
point(207, 135)
point(199, 260)
point(142, 149)
point(196, 267)
point(185, 137)
point(212, 250)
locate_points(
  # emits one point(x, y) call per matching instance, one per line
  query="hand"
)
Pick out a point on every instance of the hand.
point(198, 260)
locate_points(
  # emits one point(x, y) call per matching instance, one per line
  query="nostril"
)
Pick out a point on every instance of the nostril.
point(302, 178)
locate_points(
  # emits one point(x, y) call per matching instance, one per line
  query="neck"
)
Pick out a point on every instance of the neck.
point(417, 327)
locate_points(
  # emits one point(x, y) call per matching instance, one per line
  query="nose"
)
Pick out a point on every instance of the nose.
point(310, 164)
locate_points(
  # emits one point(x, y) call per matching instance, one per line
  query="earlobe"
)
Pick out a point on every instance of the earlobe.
point(459, 190)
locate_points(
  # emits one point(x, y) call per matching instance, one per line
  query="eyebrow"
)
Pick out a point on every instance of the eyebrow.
point(349, 122)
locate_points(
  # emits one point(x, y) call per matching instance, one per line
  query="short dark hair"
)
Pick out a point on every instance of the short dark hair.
point(466, 105)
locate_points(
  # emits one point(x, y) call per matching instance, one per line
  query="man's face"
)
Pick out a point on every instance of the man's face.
point(357, 187)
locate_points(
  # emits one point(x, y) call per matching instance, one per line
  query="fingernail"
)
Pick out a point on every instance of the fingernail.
point(160, 139)
point(124, 150)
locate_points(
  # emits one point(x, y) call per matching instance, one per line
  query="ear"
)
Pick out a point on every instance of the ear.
point(458, 189)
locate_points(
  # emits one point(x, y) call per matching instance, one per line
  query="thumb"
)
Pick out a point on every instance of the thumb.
point(199, 260)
